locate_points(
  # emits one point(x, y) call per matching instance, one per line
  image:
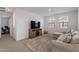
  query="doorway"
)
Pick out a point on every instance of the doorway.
point(6, 24)
point(5, 28)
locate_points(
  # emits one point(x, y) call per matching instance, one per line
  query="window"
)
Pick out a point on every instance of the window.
point(51, 22)
point(64, 25)
point(63, 22)
point(52, 25)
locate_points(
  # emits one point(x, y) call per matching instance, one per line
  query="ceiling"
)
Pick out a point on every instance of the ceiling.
point(4, 12)
point(44, 11)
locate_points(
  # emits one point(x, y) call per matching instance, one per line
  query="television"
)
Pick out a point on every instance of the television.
point(35, 24)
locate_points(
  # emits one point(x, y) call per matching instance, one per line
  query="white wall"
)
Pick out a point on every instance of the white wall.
point(4, 21)
point(78, 19)
point(72, 22)
point(0, 26)
point(22, 19)
point(11, 25)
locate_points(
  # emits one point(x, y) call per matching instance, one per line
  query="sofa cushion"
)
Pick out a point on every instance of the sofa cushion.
point(75, 39)
point(62, 37)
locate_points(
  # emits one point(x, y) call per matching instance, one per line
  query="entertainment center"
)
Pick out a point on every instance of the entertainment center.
point(35, 29)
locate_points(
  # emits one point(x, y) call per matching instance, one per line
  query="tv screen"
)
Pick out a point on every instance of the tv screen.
point(38, 24)
point(35, 24)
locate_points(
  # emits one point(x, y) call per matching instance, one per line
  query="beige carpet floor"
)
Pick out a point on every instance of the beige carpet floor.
point(9, 44)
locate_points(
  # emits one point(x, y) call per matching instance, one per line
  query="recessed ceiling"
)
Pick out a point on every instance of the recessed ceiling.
point(44, 11)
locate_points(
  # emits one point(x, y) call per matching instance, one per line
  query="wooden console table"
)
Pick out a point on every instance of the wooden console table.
point(35, 32)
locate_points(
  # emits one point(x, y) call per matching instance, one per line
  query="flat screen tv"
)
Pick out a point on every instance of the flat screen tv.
point(35, 24)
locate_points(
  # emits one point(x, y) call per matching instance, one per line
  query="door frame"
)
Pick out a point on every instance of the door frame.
point(11, 26)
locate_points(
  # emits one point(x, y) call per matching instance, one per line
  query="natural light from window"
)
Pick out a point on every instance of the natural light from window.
point(63, 21)
point(51, 22)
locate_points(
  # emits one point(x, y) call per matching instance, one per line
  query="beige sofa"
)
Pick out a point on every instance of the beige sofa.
point(47, 43)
